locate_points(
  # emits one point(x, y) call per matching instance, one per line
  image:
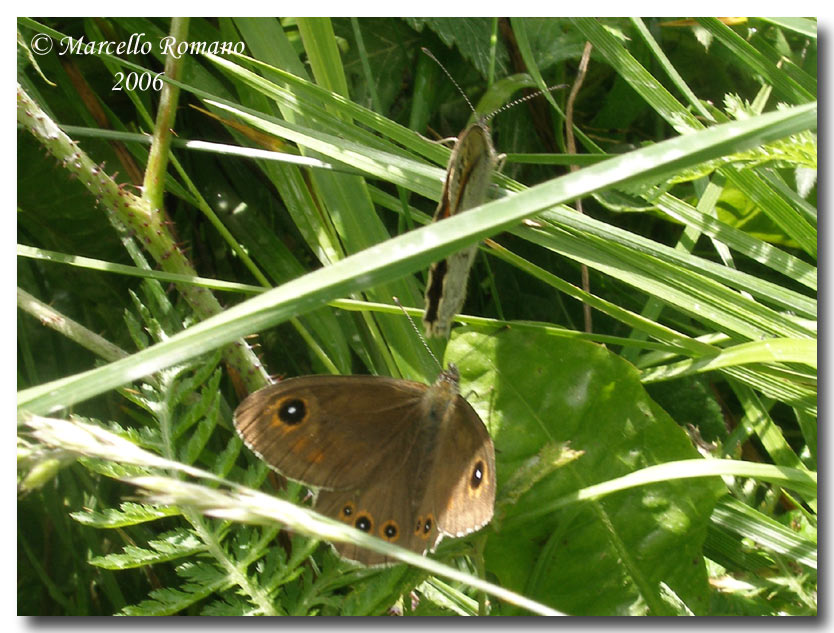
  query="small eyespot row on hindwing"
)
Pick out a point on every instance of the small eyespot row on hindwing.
point(424, 526)
point(364, 522)
point(360, 520)
point(390, 531)
point(292, 411)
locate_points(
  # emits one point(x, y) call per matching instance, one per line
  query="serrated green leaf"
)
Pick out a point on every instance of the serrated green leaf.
point(172, 546)
point(127, 514)
point(112, 469)
point(203, 368)
point(229, 606)
point(200, 436)
point(167, 601)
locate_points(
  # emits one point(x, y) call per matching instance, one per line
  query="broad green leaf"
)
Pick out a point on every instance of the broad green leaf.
point(534, 390)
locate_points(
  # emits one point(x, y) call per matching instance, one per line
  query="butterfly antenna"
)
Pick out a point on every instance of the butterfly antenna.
point(416, 329)
point(452, 79)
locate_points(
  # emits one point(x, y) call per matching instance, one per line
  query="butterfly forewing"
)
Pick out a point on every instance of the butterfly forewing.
point(330, 431)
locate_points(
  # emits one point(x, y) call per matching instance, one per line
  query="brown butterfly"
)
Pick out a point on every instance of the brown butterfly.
point(401, 460)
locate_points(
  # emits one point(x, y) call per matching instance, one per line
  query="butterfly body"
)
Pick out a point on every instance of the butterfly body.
point(407, 462)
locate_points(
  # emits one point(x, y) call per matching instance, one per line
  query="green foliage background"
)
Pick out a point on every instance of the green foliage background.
point(692, 403)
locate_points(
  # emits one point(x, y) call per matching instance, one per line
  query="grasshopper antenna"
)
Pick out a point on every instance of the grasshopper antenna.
point(506, 106)
point(515, 102)
point(449, 75)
